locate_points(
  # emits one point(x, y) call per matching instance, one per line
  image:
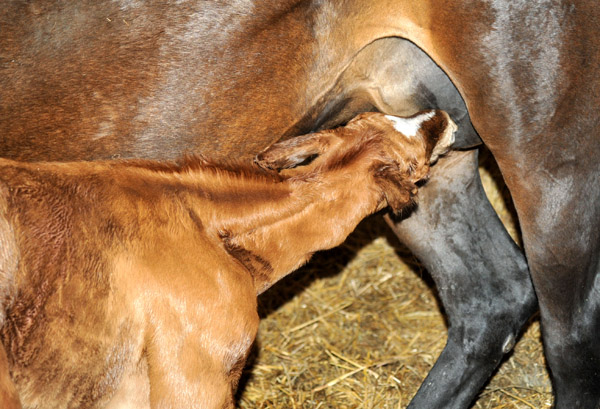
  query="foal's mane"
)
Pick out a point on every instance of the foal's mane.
point(190, 163)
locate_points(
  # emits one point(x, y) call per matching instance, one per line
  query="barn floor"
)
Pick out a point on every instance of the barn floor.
point(360, 327)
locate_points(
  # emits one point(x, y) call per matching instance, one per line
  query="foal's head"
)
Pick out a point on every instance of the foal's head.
point(395, 151)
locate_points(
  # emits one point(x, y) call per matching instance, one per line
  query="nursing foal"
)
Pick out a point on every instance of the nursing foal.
point(134, 283)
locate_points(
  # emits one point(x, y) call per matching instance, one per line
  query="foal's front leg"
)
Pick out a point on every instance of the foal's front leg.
point(187, 376)
point(197, 345)
point(185, 372)
point(481, 276)
point(9, 398)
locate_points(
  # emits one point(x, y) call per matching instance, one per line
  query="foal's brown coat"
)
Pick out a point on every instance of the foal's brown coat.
point(134, 283)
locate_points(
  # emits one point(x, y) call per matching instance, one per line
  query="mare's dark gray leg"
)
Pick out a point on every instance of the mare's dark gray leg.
point(560, 216)
point(481, 276)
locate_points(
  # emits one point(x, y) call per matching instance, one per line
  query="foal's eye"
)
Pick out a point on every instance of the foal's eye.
point(306, 161)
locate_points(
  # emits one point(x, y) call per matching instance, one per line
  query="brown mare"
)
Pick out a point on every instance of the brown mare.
point(100, 79)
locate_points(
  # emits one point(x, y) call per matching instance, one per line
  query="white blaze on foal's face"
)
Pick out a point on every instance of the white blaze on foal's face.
point(410, 127)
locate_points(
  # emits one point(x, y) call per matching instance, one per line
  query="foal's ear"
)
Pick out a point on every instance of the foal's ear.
point(292, 152)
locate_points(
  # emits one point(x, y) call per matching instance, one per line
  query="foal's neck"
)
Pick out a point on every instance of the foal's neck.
point(274, 226)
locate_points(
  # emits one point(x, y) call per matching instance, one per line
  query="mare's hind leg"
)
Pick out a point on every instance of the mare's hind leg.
point(481, 276)
point(560, 216)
